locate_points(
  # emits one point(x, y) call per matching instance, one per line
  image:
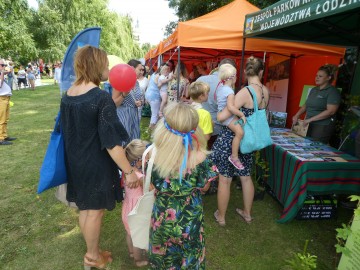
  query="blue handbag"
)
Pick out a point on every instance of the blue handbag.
point(256, 129)
point(53, 169)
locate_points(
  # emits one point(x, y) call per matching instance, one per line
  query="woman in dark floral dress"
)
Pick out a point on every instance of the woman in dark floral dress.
point(180, 171)
point(243, 100)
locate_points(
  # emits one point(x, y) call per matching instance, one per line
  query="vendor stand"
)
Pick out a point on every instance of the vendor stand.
point(335, 22)
point(299, 167)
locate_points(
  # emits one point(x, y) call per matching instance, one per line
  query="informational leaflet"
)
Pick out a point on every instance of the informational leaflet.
point(303, 149)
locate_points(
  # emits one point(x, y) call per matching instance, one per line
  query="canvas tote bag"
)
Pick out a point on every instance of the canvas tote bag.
point(256, 129)
point(60, 194)
point(139, 218)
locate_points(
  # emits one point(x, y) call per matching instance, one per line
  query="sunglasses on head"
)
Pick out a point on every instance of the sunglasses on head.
point(3, 65)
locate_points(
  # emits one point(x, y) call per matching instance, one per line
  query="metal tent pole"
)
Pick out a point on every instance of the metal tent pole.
point(242, 61)
point(178, 74)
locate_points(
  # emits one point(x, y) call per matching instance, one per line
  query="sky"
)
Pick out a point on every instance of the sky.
point(152, 16)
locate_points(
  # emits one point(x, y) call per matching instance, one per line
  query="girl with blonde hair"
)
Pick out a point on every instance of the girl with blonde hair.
point(134, 151)
point(162, 83)
point(225, 96)
point(180, 171)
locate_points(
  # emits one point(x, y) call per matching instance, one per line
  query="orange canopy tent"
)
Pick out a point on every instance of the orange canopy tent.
point(220, 34)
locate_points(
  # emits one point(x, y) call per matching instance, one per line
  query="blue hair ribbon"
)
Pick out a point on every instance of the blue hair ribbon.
point(187, 140)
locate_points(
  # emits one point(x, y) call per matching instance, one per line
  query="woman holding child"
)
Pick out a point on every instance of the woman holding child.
point(222, 147)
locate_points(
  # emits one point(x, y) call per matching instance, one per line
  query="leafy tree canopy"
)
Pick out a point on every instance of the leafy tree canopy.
point(27, 34)
point(15, 39)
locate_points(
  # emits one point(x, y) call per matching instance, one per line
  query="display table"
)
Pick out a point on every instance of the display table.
point(299, 166)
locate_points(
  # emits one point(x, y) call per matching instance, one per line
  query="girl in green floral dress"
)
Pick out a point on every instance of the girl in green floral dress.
point(180, 171)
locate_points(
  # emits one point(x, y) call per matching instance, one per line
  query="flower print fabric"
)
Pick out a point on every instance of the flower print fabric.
point(176, 231)
point(221, 150)
point(173, 89)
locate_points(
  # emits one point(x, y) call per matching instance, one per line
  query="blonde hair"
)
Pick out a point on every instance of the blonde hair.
point(135, 149)
point(170, 147)
point(253, 66)
point(227, 72)
point(89, 64)
point(197, 89)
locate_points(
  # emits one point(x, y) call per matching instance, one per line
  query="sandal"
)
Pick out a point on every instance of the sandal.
point(100, 263)
point(247, 219)
point(220, 222)
point(236, 162)
point(107, 255)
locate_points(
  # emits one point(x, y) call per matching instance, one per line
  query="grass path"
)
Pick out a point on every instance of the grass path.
point(38, 232)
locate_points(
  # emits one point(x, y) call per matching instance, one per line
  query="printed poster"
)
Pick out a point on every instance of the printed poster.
point(278, 82)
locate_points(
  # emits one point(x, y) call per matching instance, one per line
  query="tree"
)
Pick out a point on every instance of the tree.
point(263, 3)
point(61, 20)
point(146, 47)
point(190, 9)
point(170, 28)
point(49, 33)
point(27, 34)
point(15, 39)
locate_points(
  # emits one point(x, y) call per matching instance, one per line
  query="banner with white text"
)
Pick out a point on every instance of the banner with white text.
point(290, 12)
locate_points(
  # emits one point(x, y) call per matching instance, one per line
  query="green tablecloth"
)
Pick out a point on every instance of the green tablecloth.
point(291, 179)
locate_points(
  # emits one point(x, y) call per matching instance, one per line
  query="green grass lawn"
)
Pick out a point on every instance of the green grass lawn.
point(38, 232)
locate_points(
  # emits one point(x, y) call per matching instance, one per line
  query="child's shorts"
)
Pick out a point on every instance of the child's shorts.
point(228, 121)
point(163, 91)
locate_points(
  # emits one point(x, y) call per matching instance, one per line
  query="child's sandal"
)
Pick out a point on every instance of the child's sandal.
point(236, 162)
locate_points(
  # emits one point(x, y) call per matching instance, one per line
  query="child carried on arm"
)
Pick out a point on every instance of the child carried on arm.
point(162, 83)
point(235, 119)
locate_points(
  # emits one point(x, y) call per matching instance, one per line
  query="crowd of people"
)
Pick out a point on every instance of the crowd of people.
point(196, 131)
point(15, 78)
point(24, 76)
point(194, 146)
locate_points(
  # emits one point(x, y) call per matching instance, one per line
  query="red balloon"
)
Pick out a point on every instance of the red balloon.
point(122, 77)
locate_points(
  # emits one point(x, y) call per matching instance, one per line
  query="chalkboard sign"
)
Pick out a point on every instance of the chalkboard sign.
point(318, 207)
